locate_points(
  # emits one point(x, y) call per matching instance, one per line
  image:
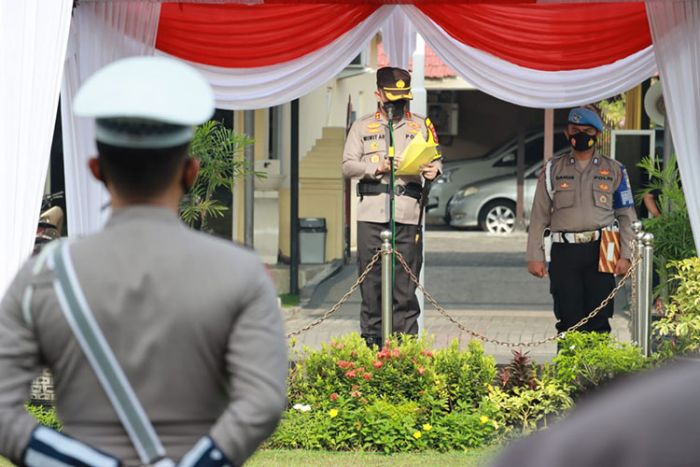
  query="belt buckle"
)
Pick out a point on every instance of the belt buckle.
point(583, 237)
point(399, 190)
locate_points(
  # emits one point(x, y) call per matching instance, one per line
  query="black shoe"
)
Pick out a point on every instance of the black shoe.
point(372, 341)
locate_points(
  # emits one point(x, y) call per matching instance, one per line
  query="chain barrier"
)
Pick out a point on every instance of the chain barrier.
point(342, 301)
point(491, 340)
point(632, 271)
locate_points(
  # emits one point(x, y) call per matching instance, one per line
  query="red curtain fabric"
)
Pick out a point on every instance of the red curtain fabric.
point(550, 37)
point(242, 36)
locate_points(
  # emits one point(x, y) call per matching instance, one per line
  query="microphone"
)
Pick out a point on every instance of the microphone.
point(389, 109)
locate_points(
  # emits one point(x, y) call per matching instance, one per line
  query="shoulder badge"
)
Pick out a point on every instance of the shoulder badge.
point(373, 125)
point(431, 128)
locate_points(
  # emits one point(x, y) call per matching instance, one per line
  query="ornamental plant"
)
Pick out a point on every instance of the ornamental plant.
point(220, 154)
point(587, 360)
point(681, 324)
point(402, 397)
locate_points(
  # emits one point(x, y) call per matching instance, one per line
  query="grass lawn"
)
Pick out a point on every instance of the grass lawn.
point(474, 458)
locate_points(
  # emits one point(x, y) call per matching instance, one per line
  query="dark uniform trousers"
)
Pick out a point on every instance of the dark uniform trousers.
point(578, 287)
point(406, 308)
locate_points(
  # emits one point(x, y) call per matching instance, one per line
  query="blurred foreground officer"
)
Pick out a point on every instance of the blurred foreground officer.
point(366, 158)
point(191, 320)
point(581, 197)
point(649, 421)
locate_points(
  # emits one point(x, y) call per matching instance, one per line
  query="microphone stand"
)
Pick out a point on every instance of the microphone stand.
point(392, 195)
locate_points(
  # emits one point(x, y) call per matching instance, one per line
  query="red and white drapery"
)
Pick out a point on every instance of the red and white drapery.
point(536, 55)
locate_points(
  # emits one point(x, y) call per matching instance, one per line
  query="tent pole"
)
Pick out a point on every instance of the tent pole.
point(248, 196)
point(294, 202)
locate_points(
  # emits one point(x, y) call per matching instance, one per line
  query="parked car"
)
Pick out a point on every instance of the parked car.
point(500, 161)
point(490, 204)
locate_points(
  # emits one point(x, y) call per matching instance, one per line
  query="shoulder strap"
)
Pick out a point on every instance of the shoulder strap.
point(94, 345)
point(548, 179)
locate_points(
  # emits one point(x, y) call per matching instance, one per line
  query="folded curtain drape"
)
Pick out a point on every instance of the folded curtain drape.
point(34, 34)
point(100, 34)
point(676, 31)
point(267, 86)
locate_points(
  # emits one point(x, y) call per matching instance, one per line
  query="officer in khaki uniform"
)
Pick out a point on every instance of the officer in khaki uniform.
point(365, 158)
point(577, 196)
point(192, 320)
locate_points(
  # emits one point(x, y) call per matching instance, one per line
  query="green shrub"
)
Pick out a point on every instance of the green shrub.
point(45, 415)
point(399, 372)
point(589, 359)
point(466, 375)
point(524, 409)
point(682, 320)
point(402, 397)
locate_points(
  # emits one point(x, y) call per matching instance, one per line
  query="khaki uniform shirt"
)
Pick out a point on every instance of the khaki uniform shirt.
point(366, 146)
point(582, 201)
point(192, 320)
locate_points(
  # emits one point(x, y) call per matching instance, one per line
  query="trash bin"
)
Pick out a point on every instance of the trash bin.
point(312, 240)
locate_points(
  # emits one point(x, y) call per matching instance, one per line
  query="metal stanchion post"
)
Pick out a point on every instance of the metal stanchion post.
point(636, 251)
point(645, 294)
point(639, 281)
point(387, 282)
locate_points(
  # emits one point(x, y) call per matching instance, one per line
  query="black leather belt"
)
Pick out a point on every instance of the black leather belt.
point(412, 190)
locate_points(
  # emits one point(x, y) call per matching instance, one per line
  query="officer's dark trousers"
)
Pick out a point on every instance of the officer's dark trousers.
point(577, 287)
point(406, 309)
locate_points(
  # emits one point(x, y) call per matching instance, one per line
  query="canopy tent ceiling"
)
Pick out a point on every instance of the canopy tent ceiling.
point(545, 53)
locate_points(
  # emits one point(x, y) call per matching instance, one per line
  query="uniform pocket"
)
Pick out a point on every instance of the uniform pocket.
point(564, 198)
point(602, 199)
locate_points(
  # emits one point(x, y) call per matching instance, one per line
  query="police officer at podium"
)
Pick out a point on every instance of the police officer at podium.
point(366, 158)
point(580, 198)
point(192, 320)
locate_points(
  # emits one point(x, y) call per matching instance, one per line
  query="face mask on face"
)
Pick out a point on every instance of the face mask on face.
point(582, 141)
point(397, 107)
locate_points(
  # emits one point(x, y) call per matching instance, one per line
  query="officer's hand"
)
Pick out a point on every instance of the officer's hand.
point(429, 171)
point(398, 159)
point(537, 268)
point(383, 167)
point(622, 266)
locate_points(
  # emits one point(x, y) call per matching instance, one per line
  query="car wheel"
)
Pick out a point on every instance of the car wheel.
point(498, 217)
point(447, 216)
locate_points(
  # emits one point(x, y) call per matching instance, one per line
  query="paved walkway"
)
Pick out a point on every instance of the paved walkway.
point(480, 279)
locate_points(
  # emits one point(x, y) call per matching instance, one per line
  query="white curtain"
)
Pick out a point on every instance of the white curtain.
point(33, 37)
point(399, 39)
point(257, 88)
point(675, 29)
point(101, 33)
point(529, 87)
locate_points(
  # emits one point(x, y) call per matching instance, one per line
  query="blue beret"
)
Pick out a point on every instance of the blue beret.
point(583, 116)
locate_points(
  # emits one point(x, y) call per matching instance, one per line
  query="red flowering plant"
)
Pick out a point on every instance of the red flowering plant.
point(400, 397)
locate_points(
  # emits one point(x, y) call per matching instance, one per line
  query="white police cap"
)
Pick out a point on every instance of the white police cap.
point(145, 102)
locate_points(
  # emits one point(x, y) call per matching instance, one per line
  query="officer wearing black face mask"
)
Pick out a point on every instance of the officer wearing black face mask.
point(365, 158)
point(581, 197)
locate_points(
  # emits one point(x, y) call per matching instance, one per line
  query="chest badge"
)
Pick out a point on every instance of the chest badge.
point(603, 199)
point(374, 146)
point(373, 125)
point(604, 186)
point(564, 185)
point(604, 172)
point(375, 159)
